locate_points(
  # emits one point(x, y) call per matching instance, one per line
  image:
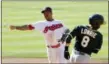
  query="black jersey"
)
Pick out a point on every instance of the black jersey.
point(87, 40)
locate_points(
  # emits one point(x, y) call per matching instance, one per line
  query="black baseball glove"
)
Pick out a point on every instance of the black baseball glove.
point(66, 53)
point(64, 36)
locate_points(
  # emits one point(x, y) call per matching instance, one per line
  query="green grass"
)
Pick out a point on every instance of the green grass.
point(31, 43)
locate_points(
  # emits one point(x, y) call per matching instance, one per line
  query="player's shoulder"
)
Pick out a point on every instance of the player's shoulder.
point(99, 33)
point(81, 26)
point(58, 21)
point(43, 21)
point(39, 23)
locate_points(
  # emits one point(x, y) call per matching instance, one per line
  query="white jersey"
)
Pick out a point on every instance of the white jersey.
point(52, 30)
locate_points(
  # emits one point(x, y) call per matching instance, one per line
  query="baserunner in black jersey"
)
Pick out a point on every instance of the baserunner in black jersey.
point(88, 40)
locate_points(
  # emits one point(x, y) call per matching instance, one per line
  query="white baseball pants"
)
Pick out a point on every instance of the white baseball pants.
point(56, 55)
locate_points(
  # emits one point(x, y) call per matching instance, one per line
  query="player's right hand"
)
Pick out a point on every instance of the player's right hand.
point(66, 54)
point(12, 27)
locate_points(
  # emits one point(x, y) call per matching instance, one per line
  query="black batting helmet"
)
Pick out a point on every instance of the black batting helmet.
point(96, 18)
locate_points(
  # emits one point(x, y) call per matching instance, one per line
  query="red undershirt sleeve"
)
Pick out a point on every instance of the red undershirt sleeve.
point(31, 27)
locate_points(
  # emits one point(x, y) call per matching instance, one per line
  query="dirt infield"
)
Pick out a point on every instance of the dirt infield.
point(42, 60)
point(24, 60)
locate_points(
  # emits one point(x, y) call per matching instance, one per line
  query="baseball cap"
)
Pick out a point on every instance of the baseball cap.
point(46, 9)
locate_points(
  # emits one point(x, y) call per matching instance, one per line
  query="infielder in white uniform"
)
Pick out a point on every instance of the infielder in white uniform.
point(53, 31)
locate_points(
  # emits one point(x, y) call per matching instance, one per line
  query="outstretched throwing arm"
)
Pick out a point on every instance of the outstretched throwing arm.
point(23, 27)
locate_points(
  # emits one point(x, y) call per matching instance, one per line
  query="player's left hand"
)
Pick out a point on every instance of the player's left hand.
point(66, 55)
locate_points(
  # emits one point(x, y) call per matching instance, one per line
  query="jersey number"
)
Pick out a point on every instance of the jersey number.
point(85, 41)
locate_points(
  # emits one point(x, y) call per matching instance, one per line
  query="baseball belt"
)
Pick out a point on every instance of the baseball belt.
point(81, 53)
point(54, 46)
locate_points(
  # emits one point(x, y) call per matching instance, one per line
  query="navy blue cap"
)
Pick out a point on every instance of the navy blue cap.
point(46, 9)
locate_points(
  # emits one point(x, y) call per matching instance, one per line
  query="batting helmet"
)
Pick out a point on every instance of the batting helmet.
point(96, 18)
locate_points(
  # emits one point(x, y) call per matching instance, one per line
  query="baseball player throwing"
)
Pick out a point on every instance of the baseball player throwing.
point(53, 31)
point(88, 40)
